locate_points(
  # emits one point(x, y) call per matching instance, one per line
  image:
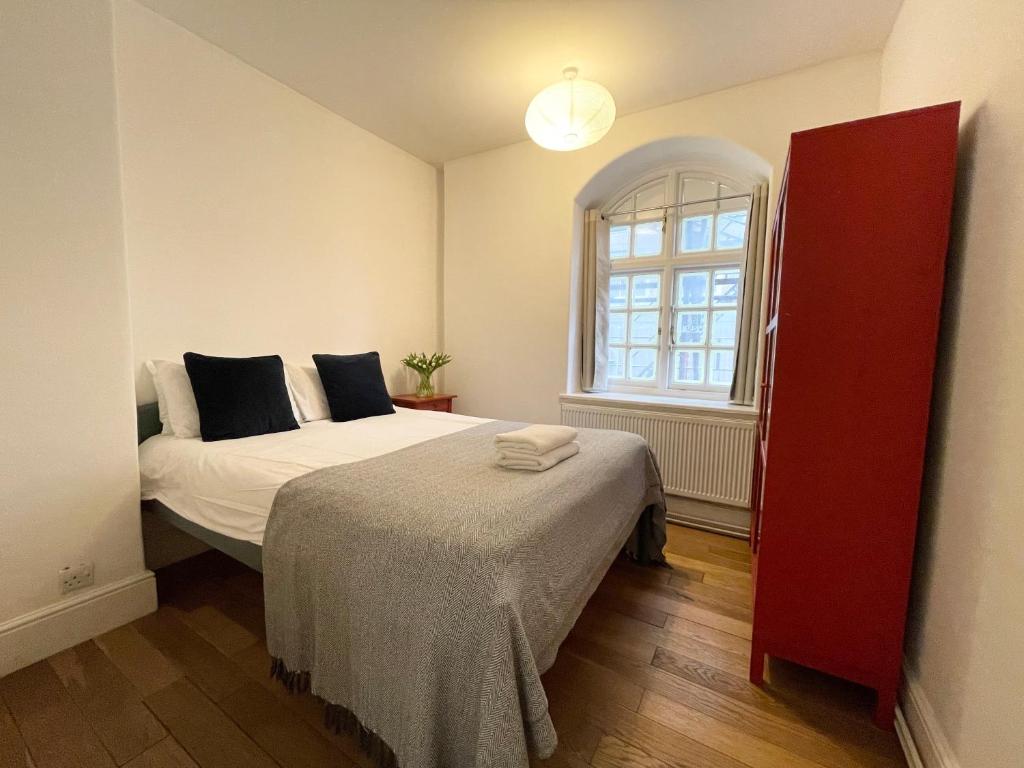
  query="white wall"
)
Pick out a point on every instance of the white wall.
point(509, 217)
point(258, 222)
point(68, 469)
point(967, 623)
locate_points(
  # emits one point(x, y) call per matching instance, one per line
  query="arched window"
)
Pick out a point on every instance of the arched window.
point(676, 250)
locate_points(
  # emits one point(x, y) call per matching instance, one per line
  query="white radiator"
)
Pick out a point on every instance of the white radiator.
point(705, 457)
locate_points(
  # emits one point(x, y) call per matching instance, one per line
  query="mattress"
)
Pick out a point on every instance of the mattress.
point(229, 486)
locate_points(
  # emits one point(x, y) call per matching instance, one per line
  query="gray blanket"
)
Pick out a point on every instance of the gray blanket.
point(422, 593)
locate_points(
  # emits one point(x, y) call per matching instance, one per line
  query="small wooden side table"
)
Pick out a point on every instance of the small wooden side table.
point(433, 403)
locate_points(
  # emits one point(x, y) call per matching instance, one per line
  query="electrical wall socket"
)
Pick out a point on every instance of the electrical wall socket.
point(74, 577)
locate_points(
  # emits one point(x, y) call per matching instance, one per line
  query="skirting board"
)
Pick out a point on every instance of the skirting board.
point(920, 734)
point(907, 742)
point(717, 518)
point(34, 636)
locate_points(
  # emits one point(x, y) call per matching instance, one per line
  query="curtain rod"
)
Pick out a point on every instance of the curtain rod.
point(665, 208)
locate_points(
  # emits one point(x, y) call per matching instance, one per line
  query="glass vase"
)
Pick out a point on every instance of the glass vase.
point(426, 387)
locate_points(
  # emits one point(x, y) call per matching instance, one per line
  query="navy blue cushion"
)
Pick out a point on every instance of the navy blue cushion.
point(354, 385)
point(239, 396)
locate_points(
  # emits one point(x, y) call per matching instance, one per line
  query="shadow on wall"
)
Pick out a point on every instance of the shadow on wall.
point(703, 151)
point(937, 454)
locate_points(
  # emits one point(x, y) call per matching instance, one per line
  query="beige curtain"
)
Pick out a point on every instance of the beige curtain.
point(594, 322)
point(744, 384)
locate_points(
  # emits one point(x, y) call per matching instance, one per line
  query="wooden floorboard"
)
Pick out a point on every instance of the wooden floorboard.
point(736, 742)
point(204, 665)
point(615, 753)
point(52, 726)
point(652, 738)
point(278, 730)
point(204, 730)
point(255, 663)
point(166, 754)
point(226, 635)
point(652, 676)
point(147, 668)
point(13, 752)
point(111, 704)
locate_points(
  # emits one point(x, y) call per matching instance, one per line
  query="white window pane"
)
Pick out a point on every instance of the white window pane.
point(618, 287)
point(691, 289)
point(625, 204)
point(730, 230)
point(643, 328)
point(726, 290)
point(646, 291)
point(616, 363)
point(720, 372)
point(688, 366)
point(618, 242)
point(723, 328)
point(650, 196)
point(695, 234)
point(647, 238)
point(691, 327)
point(643, 364)
point(617, 328)
point(699, 189)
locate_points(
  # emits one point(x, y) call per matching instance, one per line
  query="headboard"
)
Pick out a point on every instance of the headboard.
point(148, 419)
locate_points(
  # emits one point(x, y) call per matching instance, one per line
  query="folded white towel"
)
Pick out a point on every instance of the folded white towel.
point(537, 462)
point(536, 438)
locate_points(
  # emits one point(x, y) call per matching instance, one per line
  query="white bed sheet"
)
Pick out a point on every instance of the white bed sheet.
point(228, 486)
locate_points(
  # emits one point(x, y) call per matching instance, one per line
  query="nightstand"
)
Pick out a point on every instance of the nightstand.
point(433, 403)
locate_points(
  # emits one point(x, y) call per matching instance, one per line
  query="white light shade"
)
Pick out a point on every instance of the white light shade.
point(571, 114)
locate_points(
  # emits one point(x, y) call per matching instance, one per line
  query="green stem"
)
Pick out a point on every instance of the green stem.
point(426, 387)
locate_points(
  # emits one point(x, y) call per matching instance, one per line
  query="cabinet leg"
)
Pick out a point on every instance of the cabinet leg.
point(757, 664)
point(885, 709)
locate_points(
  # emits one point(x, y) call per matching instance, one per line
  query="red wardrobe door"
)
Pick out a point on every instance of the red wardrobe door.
point(867, 208)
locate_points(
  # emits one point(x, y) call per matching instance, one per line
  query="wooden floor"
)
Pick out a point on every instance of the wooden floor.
point(653, 675)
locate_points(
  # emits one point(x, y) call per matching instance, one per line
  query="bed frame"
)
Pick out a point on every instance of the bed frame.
point(148, 416)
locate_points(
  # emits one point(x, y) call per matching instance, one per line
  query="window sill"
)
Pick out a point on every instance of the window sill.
point(661, 403)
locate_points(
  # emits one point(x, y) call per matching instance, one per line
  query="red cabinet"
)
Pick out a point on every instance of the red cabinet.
point(857, 262)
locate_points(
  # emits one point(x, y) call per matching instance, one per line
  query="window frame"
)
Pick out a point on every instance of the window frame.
point(708, 310)
point(628, 345)
point(670, 261)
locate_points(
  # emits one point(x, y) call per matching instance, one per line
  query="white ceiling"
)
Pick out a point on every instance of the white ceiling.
point(447, 78)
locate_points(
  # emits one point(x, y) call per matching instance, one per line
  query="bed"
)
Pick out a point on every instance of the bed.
point(415, 586)
point(222, 492)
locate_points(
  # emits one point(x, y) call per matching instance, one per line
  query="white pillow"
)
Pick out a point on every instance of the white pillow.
point(291, 395)
point(161, 401)
point(175, 401)
point(307, 392)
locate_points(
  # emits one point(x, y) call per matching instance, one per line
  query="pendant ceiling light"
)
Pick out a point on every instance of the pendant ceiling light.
point(571, 114)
